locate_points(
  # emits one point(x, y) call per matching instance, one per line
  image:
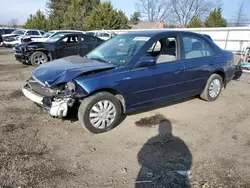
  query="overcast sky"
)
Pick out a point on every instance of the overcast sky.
point(21, 9)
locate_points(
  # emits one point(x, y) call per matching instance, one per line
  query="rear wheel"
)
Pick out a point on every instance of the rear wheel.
point(100, 112)
point(38, 58)
point(213, 88)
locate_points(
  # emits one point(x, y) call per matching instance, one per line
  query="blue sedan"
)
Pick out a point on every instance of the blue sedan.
point(129, 72)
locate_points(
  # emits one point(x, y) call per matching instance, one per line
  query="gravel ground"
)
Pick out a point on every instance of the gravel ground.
point(191, 143)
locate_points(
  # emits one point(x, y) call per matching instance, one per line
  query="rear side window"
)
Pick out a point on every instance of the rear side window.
point(195, 47)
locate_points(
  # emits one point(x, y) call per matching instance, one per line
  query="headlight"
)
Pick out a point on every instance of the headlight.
point(71, 86)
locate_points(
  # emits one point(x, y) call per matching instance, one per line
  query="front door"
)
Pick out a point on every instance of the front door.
point(161, 82)
point(67, 46)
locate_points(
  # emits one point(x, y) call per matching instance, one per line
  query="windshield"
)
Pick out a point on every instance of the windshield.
point(56, 37)
point(119, 50)
point(48, 34)
point(18, 32)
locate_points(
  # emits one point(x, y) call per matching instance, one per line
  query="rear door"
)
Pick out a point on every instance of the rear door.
point(88, 43)
point(199, 60)
point(67, 46)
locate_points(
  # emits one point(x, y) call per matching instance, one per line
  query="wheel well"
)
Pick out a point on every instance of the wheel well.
point(223, 76)
point(46, 52)
point(116, 93)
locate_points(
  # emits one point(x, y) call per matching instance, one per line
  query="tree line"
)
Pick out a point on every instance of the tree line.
point(94, 14)
point(78, 15)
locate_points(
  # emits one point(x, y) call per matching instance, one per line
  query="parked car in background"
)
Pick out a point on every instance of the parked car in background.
point(102, 35)
point(16, 36)
point(128, 73)
point(48, 35)
point(58, 46)
point(5, 31)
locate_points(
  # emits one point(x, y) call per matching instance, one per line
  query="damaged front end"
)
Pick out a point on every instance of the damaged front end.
point(56, 101)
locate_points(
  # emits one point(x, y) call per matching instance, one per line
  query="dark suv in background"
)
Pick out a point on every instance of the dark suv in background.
point(5, 31)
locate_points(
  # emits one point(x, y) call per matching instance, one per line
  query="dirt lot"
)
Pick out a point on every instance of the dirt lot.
point(211, 140)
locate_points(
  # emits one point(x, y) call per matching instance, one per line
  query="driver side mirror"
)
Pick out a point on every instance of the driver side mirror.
point(146, 62)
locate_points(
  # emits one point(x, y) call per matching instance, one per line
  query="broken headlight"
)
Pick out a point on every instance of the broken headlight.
point(71, 86)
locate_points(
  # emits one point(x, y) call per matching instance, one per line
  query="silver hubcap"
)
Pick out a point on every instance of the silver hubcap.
point(40, 59)
point(214, 88)
point(102, 114)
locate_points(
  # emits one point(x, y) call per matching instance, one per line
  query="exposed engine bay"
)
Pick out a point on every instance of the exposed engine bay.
point(55, 100)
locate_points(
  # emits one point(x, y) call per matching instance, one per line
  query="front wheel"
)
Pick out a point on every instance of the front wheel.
point(213, 88)
point(38, 58)
point(100, 112)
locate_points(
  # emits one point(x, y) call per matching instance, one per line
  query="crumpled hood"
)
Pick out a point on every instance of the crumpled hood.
point(65, 69)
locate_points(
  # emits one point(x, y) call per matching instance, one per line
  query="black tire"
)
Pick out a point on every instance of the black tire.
point(34, 62)
point(206, 93)
point(86, 107)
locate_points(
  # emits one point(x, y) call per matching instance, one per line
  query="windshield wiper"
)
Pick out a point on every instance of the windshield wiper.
point(101, 60)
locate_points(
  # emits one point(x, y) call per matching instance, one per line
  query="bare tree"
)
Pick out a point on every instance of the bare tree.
point(13, 22)
point(239, 15)
point(183, 11)
point(153, 10)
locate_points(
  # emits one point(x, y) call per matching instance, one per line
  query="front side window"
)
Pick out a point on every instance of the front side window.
point(48, 34)
point(56, 37)
point(195, 47)
point(29, 33)
point(120, 49)
point(35, 33)
point(164, 50)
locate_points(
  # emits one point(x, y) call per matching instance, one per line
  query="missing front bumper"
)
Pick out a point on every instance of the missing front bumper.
point(56, 108)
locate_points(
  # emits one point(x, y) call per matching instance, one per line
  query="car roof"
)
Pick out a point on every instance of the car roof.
point(152, 33)
point(29, 29)
point(66, 31)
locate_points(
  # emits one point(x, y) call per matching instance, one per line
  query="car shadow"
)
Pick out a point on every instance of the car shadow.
point(161, 105)
point(165, 160)
point(73, 111)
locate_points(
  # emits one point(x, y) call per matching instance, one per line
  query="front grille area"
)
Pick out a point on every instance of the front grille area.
point(42, 90)
point(9, 39)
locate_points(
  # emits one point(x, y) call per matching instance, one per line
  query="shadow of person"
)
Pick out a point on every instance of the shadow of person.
point(165, 161)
